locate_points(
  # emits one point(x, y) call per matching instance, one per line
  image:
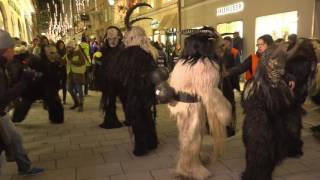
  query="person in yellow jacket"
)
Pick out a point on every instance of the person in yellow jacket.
point(85, 48)
point(76, 69)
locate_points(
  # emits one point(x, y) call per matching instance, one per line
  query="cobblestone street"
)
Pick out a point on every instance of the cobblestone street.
point(80, 150)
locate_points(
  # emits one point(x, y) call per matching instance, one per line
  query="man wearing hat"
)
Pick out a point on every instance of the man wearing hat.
point(10, 139)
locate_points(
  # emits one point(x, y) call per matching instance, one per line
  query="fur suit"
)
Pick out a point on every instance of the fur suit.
point(129, 77)
point(198, 77)
point(45, 88)
point(268, 104)
point(302, 65)
point(109, 93)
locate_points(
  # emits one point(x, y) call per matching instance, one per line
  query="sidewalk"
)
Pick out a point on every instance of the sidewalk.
point(79, 150)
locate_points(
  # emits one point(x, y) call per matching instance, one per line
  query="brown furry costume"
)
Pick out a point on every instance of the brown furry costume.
point(272, 124)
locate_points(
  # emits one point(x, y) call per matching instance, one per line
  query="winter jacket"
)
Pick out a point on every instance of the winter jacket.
point(7, 94)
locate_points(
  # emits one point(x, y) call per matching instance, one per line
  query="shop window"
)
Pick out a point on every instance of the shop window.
point(277, 25)
point(231, 27)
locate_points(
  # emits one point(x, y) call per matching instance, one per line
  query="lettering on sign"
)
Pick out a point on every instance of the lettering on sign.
point(230, 9)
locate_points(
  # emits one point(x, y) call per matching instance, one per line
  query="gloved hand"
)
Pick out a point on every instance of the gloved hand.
point(165, 93)
point(160, 75)
point(29, 75)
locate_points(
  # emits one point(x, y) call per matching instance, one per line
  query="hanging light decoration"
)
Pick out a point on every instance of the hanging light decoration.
point(60, 23)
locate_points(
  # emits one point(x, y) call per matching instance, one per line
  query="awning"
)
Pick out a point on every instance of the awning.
point(169, 21)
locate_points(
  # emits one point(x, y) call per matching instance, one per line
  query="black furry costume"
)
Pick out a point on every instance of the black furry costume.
point(272, 124)
point(109, 94)
point(303, 67)
point(129, 76)
point(46, 88)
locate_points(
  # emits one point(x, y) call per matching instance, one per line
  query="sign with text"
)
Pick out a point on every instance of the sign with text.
point(230, 9)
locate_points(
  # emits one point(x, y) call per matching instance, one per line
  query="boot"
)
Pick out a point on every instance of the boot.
point(75, 100)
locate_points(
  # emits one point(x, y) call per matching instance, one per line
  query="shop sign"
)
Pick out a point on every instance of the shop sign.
point(155, 24)
point(14, 6)
point(230, 9)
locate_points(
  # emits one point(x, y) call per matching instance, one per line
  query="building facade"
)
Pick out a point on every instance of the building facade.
point(164, 13)
point(16, 18)
point(252, 18)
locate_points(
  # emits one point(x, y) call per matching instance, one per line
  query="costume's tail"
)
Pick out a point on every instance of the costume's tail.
point(219, 115)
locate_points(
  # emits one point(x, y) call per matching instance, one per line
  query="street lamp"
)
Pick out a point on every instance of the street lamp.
point(111, 2)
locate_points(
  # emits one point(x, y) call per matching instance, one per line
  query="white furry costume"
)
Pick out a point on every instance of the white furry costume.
point(200, 79)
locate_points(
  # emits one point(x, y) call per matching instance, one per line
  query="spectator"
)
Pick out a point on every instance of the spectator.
point(61, 49)
point(162, 60)
point(76, 68)
point(10, 139)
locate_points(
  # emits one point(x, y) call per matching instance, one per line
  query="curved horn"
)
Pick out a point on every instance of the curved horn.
point(130, 11)
point(139, 19)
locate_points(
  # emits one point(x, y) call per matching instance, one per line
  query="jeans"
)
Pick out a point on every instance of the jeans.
point(76, 90)
point(12, 142)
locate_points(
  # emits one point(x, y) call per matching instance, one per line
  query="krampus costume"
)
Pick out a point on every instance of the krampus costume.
point(302, 65)
point(195, 80)
point(46, 88)
point(129, 76)
point(269, 105)
point(110, 51)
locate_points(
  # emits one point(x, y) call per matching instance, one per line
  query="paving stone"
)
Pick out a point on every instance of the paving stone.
point(61, 174)
point(304, 176)
point(48, 165)
point(86, 139)
point(235, 165)
point(52, 156)
point(104, 178)
point(147, 165)
point(105, 149)
point(163, 174)
point(5, 177)
point(116, 156)
point(79, 161)
point(217, 168)
point(133, 176)
point(99, 171)
point(83, 153)
point(221, 177)
point(66, 147)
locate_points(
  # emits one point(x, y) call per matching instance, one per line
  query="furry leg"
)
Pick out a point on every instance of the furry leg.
point(264, 145)
point(111, 120)
point(294, 126)
point(190, 136)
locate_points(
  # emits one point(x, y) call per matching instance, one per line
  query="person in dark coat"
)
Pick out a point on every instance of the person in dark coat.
point(10, 139)
point(61, 50)
point(45, 89)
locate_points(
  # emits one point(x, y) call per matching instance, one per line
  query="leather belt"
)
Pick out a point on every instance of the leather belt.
point(187, 98)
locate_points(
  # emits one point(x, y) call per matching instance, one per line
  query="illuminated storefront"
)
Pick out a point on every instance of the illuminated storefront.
point(252, 18)
point(277, 25)
point(231, 27)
